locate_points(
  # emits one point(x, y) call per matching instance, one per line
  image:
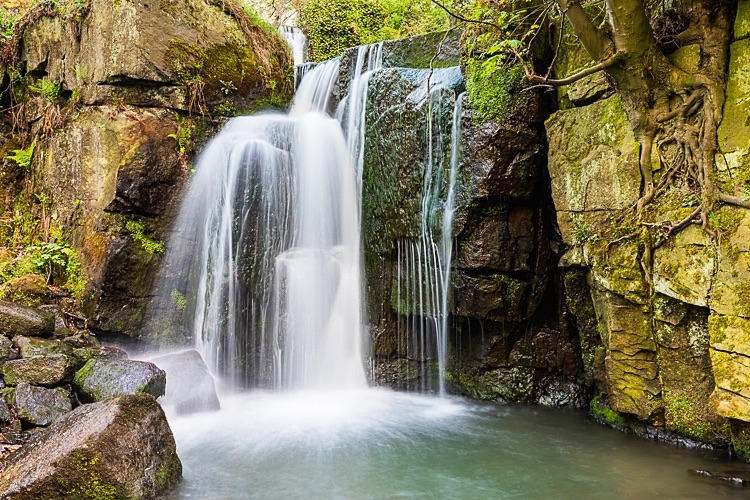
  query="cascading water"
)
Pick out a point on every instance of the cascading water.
point(424, 264)
point(269, 234)
point(297, 41)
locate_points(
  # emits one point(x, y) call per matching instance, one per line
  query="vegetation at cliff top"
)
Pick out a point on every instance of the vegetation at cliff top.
point(335, 25)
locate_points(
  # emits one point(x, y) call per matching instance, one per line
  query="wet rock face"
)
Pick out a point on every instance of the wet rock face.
point(122, 448)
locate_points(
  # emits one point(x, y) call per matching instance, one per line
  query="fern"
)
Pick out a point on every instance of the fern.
point(48, 89)
point(23, 157)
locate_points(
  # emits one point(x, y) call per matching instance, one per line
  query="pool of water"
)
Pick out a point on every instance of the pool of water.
point(379, 444)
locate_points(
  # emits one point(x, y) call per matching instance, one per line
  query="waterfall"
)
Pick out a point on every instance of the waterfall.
point(423, 279)
point(268, 238)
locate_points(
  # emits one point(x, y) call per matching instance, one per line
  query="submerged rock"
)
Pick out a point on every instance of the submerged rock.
point(102, 379)
point(190, 388)
point(122, 448)
point(39, 405)
point(16, 319)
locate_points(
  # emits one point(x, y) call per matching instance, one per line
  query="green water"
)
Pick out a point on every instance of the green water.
point(381, 444)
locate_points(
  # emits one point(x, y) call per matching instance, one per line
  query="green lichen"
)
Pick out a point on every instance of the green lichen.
point(82, 479)
point(683, 416)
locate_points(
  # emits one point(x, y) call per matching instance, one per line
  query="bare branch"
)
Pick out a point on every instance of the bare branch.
point(610, 61)
point(464, 19)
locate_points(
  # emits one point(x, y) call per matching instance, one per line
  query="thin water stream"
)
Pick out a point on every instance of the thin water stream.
point(382, 444)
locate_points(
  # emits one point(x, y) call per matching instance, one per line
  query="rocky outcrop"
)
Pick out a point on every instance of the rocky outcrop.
point(668, 336)
point(122, 448)
point(132, 91)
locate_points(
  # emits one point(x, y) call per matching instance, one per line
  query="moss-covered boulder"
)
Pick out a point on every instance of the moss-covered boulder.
point(122, 448)
point(35, 346)
point(16, 319)
point(38, 370)
point(102, 379)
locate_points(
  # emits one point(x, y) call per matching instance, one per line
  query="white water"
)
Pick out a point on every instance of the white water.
point(297, 41)
point(270, 232)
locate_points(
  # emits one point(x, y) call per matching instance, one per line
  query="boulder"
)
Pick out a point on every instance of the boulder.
point(122, 448)
point(102, 379)
point(190, 388)
point(7, 349)
point(16, 319)
point(39, 405)
point(35, 346)
point(37, 370)
point(29, 289)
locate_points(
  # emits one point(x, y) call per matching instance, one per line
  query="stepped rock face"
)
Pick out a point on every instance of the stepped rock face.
point(140, 86)
point(666, 331)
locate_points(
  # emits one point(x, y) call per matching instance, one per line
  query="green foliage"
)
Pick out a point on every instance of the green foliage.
point(335, 25)
point(56, 260)
point(22, 157)
point(137, 230)
point(48, 89)
point(8, 20)
point(179, 300)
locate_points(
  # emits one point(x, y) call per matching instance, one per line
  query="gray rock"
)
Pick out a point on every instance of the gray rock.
point(37, 370)
point(16, 319)
point(5, 416)
point(54, 311)
point(7, 350)
point(39, 405)
point(190, 388)
point(102, 379)
point(124, 444)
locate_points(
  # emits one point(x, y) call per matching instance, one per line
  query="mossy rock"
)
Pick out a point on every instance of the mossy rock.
point(122, 448)
point(101, 379)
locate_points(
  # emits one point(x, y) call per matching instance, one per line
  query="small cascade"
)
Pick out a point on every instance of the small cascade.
point(424, 264)
point(268, 237)
point(297, 41)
